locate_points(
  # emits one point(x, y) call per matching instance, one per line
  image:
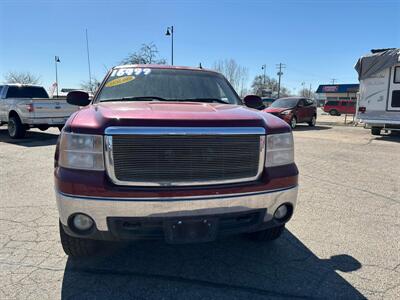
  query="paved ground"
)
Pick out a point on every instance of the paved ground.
point(343, 241)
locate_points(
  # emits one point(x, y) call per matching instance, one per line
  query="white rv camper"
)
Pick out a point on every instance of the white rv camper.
point(379, 100)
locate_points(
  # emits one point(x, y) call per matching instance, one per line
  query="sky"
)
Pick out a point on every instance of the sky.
point(316, 40)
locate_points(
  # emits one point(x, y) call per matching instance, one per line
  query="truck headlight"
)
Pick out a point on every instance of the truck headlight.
point(279, 149)
point(81, 151)
point(286, 112)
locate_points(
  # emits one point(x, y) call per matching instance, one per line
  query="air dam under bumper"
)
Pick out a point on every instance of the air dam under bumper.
point(99, 209)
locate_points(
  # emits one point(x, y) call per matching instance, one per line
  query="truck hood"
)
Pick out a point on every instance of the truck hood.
point(95, 118)
point(276, 109)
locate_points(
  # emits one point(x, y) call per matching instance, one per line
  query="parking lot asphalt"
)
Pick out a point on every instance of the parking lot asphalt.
point(343, 241)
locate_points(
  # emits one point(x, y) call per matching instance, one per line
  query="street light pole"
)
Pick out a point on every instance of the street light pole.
point(170, 32)
point(264, 67)
point(56, 60)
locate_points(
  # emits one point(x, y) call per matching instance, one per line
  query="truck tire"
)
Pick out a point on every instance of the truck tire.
point(267, 234)
point(334, 112)
point(77, 247)
point(376, 131)
point(293, 122)
point(313, 121)
point(16, 129)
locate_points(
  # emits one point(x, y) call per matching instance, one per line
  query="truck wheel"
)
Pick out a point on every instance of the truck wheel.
point(376, 131)
point(334, 112)
point(15, 128)
point(313, 121)
point(293, 122)
point(77, 247)
point(268, 234)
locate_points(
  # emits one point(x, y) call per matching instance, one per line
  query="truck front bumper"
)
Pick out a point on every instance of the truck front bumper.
point(110, 215)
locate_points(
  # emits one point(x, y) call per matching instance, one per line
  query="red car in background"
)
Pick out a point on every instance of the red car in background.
point(294, 110)
point(338, 107)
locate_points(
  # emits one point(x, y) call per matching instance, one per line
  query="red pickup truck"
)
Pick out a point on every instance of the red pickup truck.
point(171, 153)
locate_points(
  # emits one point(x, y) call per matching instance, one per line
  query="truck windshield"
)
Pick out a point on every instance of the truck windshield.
point(26, 92)
point(285, 102)
point(154, 84)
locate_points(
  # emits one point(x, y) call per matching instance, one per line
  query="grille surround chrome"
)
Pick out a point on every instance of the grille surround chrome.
point(180, 131)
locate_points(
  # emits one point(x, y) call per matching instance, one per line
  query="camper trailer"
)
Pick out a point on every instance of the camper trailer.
point(379, 100)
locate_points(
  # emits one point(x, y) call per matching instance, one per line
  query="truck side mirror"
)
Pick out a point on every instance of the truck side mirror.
point(253, 101)
point(78, 98)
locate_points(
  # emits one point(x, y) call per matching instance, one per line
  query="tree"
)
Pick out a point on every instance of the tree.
point(91, 86)
point(269, 87)
point(147, 54)
point(236, 74)
point(21, 77)
point(306, 93)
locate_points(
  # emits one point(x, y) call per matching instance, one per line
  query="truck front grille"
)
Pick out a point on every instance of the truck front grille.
point(168, 160)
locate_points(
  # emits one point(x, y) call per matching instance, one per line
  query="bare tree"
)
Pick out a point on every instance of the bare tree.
point(21, 77)
point(262, 87)
point(91, 86)
point(147, 54)
point(306, 93)
point(236, 74)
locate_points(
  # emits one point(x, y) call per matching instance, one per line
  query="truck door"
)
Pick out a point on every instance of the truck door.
point(394, 89)
point(300, 114)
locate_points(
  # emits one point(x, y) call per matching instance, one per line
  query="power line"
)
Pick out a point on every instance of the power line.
point(280, 66)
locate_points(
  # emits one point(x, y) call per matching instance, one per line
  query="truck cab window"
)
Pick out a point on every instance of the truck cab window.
point(26, 92)
point(396, 77)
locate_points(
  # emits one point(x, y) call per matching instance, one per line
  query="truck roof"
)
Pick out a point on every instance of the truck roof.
point(21, 84)
point(155, 66)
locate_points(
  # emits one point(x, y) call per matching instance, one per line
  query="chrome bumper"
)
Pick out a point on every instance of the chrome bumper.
point(48, 121)
point(101, 208)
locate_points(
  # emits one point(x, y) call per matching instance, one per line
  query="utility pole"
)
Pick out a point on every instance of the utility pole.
point(309, 92)
point(333, 80)
point(88, 59)
point(302, 89)
point(280, 66)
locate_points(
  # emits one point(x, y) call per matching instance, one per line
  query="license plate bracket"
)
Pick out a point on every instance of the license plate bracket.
point(190, 230)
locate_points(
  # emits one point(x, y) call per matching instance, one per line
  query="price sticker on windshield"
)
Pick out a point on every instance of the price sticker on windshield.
point(130, 71)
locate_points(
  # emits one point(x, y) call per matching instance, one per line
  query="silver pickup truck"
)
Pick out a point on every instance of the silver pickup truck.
point(28, 106)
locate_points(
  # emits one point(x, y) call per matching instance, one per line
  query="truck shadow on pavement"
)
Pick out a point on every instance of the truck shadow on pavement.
point(230, 268)
point(32, 138)
point(393, 137)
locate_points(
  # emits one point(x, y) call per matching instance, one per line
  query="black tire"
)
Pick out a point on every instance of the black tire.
point(77, 247)
point(313, 121)
point(267, 234)
point(376, 131)
point(16, 129)
point(293, 122)
point(334, 112)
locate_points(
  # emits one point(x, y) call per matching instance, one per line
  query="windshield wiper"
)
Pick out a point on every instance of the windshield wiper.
point(139, 98)
point(209, 100)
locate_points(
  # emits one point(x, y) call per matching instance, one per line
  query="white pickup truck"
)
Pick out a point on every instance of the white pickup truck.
point(28, 106)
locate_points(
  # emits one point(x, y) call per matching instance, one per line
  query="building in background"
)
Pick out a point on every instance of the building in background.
point(326, 92)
